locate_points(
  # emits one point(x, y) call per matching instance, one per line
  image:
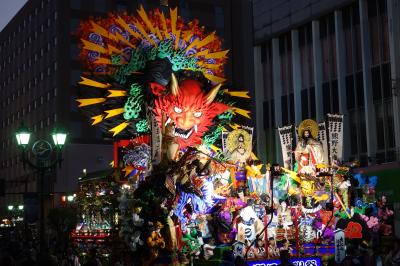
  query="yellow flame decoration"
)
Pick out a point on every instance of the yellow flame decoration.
point(241, 112)
point(217, 55)
point(97, 119)
point(142, 13)
point(116, 130)
point(214, 78)
point(173, 13)
point(241, 94)
point(116, 93)
point(234, 126)
point(122, 22)
point(164, 24)
point(93, 47)
point(86, 102)
point(114, 112)
point(93, 83)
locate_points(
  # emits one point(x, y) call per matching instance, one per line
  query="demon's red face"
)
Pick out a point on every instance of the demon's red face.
point(190, 110)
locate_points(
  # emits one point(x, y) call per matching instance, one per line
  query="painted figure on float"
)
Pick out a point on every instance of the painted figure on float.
point(192, 182)
point(309, 151)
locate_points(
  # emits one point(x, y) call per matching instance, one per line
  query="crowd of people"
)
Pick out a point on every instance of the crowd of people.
point(21, 248)
point(25, 253)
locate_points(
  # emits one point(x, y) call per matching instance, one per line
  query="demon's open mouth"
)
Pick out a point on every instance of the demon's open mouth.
point(182, 133)
point(188, 209)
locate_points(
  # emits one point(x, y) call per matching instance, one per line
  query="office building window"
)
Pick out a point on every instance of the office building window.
point(100, 6)
point(121, 6)
point(73, 104)
point(74, 24)
point(75, 76)
point(183, 7)
point(284, 106)
point(74, 50)
point(378, 26)
point(307, 71)
point(304, 104)
point(75, 4)
point(219, 17)
point(76, 130)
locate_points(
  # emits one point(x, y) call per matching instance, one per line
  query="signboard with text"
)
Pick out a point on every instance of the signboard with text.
point(314, 261)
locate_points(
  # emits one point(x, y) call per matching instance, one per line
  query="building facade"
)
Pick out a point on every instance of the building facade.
point(39, 71)
point(318, 57)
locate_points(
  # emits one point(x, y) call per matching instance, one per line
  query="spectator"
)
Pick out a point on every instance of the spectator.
point(284, 257)
point(93, 259)
point(8, 260)
point(393, 258)
point(71, 259)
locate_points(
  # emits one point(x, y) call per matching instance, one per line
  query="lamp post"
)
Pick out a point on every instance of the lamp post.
point(45, 159)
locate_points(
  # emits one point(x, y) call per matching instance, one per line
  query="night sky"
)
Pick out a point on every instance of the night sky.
point(8, 9)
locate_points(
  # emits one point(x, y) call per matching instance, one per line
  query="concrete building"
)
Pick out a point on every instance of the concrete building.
point(314, 57)
point(39, 70)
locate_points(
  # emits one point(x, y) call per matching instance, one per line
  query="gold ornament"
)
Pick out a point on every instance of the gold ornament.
point(309, 125)
point(233, 141)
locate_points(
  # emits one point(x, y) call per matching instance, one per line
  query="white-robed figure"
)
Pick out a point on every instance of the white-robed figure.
point(309, 151)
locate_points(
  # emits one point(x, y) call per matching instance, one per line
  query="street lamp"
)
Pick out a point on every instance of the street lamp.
point(45, 158)
point(59, 137)
point(23, 135)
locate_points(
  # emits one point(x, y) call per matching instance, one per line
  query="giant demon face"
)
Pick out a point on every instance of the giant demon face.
point(189, 109)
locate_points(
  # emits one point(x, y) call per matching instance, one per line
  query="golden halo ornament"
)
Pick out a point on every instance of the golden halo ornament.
point(233, 142)
point(309, 125)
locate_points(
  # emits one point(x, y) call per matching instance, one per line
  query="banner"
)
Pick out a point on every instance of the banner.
point(324, 140)
point(340, 246)
point(156, 139)
point(335, 129)
point(286, 137)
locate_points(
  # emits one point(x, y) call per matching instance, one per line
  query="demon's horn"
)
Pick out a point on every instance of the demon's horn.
point(174, 85)
point(211, 95)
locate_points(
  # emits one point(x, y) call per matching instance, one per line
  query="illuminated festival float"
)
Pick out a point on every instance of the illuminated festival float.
point(195, 191)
